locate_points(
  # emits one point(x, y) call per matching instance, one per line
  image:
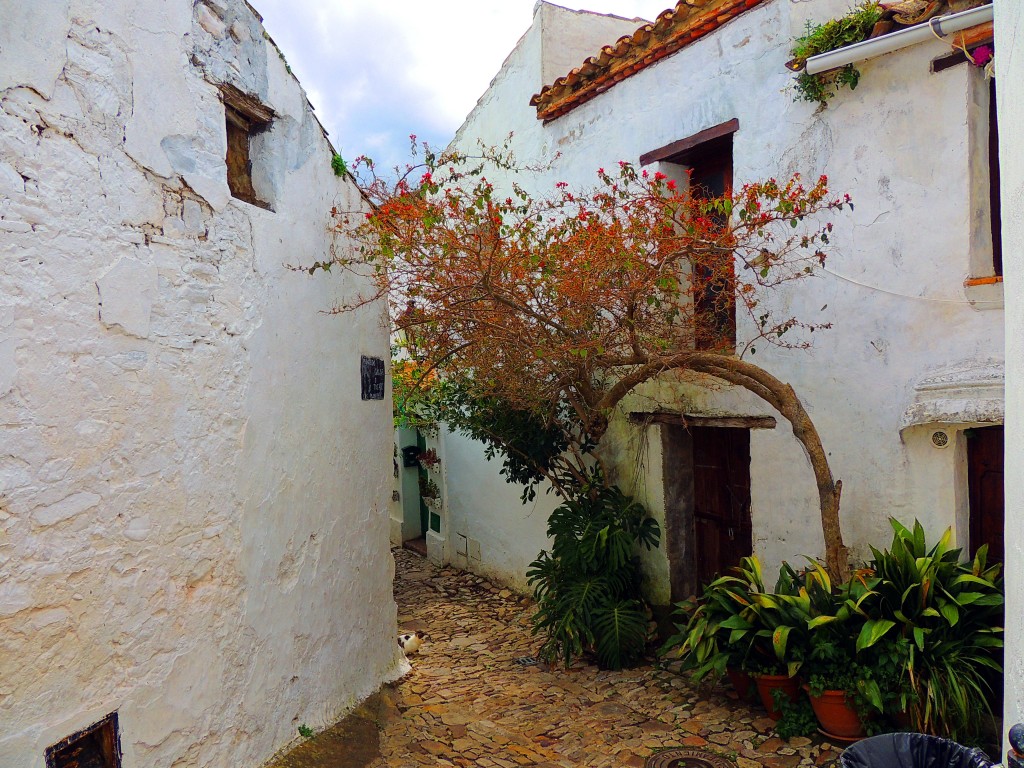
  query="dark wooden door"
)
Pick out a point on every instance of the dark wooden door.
point(721, 499)
point(985, 486)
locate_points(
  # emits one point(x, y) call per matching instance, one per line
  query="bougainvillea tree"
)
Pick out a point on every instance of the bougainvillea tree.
point(575, 298)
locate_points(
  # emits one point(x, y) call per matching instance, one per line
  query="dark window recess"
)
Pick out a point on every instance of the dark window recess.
point(708, 157)
point(995, 206)
point(245, 118)
point(714, 283)
point(97, 746)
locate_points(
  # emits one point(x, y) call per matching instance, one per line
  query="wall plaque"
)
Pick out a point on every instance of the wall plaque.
point(372, 370)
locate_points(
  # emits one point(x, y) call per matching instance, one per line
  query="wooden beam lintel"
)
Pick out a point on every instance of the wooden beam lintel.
point(687, 420)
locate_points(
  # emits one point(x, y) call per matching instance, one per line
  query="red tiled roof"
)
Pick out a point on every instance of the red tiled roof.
point(690, 20)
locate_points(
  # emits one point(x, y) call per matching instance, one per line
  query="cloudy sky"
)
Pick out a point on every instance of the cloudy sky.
point(378, 70)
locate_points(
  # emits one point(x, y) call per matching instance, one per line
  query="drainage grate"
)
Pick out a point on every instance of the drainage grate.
point(687, 758)
point(525, 661)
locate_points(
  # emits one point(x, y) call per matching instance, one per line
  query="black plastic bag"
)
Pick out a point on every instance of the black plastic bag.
point(912, 750)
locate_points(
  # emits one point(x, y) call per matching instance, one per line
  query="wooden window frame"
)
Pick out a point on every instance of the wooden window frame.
point(110, 737)
point(705, 153)
point(994, 198)
point(969, 40)
point(244, 117)
point(679, 151)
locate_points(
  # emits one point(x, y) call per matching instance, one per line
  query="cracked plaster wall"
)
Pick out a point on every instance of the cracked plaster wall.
point(193, 497)
point(902, 146)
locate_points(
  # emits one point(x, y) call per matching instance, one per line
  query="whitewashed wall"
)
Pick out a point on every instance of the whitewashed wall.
point(193, 497)
point(903, 145)
point(480, 505)
point(1010, 44)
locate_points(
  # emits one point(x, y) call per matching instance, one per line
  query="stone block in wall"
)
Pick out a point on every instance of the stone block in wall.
point(126, 297)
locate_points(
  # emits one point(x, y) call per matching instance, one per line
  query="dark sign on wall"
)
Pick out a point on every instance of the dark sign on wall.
point(372, 370)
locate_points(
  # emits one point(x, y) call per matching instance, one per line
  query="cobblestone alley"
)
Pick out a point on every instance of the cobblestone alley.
point(475, 697)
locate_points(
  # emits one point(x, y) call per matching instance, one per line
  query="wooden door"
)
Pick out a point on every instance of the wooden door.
point(985, 487)
point(721, 499)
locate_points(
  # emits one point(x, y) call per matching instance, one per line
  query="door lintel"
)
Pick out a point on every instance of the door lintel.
point(689, 420)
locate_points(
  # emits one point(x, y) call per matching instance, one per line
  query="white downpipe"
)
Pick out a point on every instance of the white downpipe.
point(940, 26)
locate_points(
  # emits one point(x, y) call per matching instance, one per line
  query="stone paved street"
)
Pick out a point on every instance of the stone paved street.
point(476, 698)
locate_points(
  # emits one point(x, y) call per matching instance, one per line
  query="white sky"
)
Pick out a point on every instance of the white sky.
point(378, 70)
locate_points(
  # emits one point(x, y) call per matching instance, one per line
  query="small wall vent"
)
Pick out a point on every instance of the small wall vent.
point(97, 746)
point(940, 438)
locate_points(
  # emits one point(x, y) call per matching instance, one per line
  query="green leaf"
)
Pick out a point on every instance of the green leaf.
point(736, 622)
point(620, 631)
point(872, 693)
point(780, 637)
point(950, 613)
point(873, 631)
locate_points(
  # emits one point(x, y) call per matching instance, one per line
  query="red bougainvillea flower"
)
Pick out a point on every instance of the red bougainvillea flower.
point(981, 55)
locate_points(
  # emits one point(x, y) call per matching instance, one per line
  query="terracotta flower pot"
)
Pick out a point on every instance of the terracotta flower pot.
point(741, 681)
point(768, 683)
point(836, 713)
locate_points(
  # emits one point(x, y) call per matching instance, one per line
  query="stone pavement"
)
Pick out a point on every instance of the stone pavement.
point(476, 697)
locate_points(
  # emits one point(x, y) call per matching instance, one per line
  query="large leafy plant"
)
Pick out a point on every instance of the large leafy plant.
point(916, 632)
point(950, 615)
point(713, 633)
point(588, 586)
point(739, 623)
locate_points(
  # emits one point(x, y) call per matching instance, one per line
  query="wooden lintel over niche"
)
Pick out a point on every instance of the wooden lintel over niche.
point(677, 150)
point(686, 420)
point(248, 106)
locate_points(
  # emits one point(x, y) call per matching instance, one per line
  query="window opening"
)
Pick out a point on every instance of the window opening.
point(97, 746)
point(707, 156)
point(714, 293)
point(995, 207)
point(245, 118)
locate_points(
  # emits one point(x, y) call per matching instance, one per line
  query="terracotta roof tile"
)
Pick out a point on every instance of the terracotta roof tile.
point(676, 27)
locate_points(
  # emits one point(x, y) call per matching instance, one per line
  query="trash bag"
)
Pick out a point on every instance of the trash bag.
point(912, 750)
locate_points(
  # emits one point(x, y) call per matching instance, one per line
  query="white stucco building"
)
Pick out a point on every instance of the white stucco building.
point(193, 491)
point(906, 389)
point(1009, 29)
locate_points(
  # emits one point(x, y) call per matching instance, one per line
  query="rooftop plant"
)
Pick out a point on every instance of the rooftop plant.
point(822, 38)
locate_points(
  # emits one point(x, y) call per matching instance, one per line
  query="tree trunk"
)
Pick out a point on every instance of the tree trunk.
point(782, 397)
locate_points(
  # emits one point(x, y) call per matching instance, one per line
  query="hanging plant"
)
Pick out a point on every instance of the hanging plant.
point(822, 38)
point(428, 488)
point(429, 459)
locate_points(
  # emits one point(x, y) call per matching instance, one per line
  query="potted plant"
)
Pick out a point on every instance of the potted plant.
point(429, 459)
point(945, 617)
point(832, 689)
point(428, 488)
point(779, 629)
point(714, 632)
point(834, 677)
